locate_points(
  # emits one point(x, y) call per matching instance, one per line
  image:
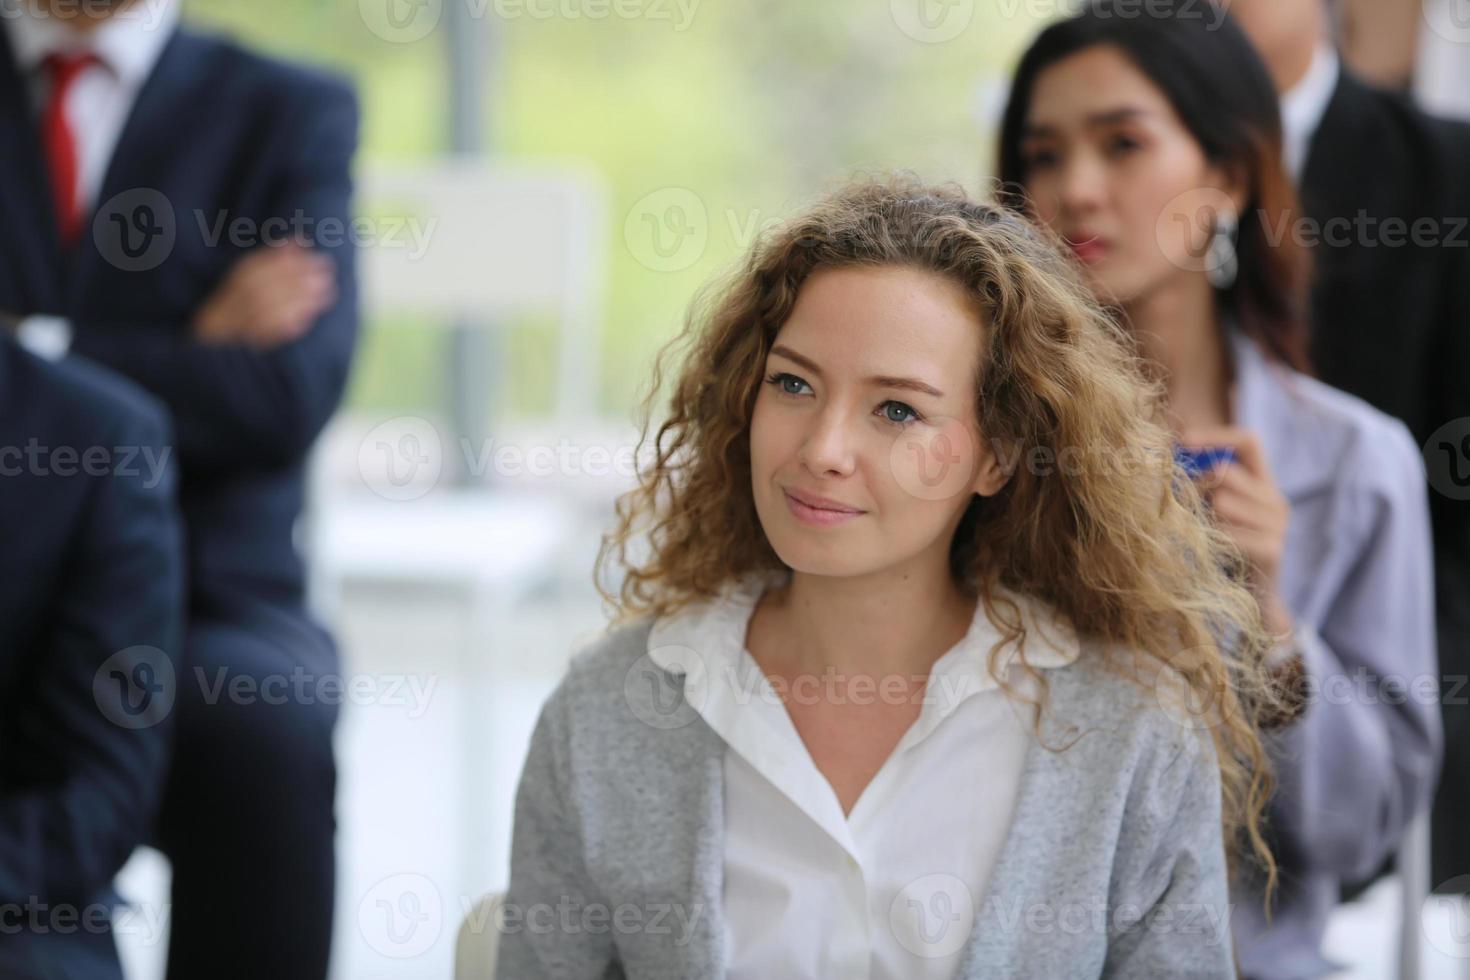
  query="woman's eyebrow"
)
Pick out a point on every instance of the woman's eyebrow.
point(881, 380)
point(1108, 117)
point(1121, 114)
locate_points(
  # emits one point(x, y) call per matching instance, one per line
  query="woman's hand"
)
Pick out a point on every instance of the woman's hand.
point(1251, 510)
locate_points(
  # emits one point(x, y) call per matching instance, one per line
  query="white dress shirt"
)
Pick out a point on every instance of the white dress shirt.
point(1441, 68)
point(1304, 105)
point(888, 891)
point(127, 46)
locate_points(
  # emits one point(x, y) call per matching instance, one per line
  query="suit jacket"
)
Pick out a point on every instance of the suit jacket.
point(90, 627)
point(1114, 864)
point(1392, 325)
point(1356, 573)
point(223, 147)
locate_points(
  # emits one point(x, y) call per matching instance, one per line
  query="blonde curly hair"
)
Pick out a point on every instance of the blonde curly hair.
point(1122, 545)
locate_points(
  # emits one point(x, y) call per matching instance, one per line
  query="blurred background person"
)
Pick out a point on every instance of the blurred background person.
point(130, 144)
point(1122, 134)
point(1413, 46)
point(91, 620)
point(1380, 39)
point(1441, 62)
point(1386, 212)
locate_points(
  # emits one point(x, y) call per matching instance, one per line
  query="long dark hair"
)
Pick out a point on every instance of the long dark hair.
point(1209, 71)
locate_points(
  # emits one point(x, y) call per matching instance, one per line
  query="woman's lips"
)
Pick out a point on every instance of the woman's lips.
point(1089, 250)
point(816, 516)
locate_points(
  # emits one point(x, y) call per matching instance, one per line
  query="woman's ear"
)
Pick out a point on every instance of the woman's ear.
point(993, 472)
point(1234, 179)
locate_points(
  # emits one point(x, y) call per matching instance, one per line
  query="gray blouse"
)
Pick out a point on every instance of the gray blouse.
point(1358, 577)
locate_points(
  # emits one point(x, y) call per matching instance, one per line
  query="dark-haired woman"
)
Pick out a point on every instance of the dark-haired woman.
point(1150, 141)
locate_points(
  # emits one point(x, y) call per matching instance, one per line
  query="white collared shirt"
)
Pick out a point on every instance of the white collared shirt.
point(127, 46)
point(1304, 105)
point(101, 98)
point(889, 891)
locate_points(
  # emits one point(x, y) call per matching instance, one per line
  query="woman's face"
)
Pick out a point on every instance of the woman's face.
point(1109, 165)
point(867, 402)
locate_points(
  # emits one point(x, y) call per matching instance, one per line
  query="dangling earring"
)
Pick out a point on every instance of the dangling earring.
point(1221, 262)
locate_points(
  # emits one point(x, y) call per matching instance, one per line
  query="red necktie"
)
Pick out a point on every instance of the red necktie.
point(60, 143)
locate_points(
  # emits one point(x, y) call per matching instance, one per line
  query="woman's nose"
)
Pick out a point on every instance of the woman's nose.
point(1082, 185)
point(828, 447)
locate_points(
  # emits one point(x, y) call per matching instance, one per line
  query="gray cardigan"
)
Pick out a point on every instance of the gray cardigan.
point(1114, 864)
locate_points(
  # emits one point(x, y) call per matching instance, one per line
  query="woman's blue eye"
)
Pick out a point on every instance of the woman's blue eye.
point(781, 379)
point(913, 415)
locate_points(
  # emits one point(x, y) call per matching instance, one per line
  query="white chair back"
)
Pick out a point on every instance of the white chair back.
point(464, 241)
point(478, 940)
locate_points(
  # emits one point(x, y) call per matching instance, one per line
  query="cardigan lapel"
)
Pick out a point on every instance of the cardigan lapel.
point(681, 868)
point(1264, 404)
point(994, 934)
point(691, 859)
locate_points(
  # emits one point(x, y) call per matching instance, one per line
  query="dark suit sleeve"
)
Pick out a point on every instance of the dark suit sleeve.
point(63, 838)
point(236, 408)
point(1449, 395)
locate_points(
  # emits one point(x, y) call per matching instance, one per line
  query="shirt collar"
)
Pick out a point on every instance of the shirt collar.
point(1304, 105)
point(129, 43)
point(1267, 404)
point(707, 638)
point(705, 644)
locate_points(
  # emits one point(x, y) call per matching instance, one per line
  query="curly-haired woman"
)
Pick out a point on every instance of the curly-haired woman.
point(916, 617)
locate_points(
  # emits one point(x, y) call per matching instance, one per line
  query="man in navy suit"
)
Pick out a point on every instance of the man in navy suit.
point(91, 620)
point(176, 209)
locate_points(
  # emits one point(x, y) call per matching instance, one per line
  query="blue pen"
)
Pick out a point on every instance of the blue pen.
point(1197, 462)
